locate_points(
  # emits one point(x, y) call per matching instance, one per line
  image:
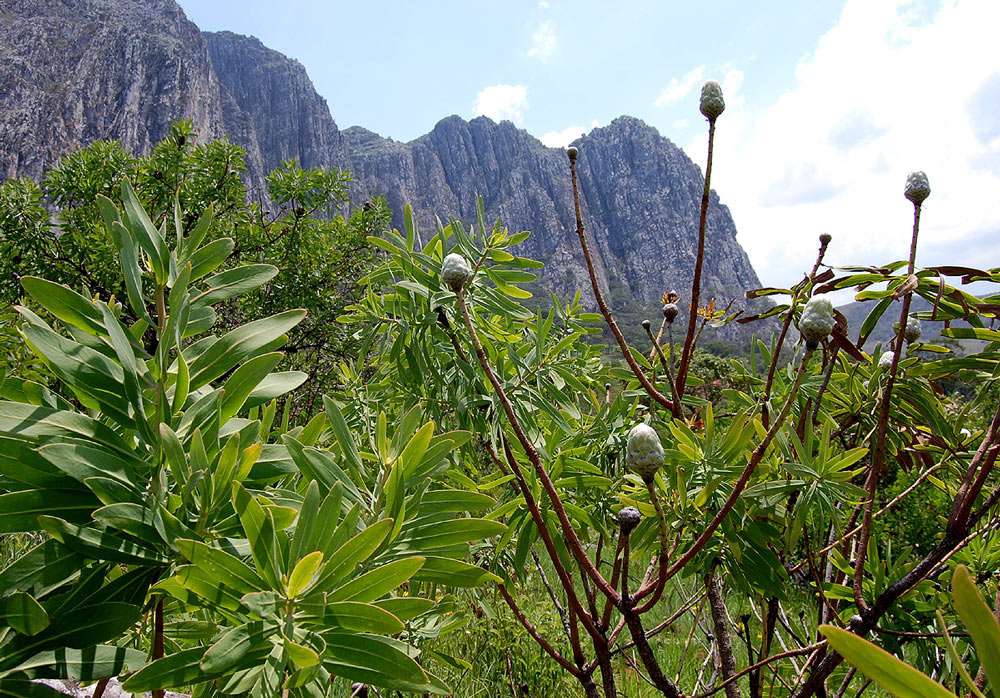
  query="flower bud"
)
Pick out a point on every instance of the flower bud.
point(628, 519)
point(455, 271)
point(885, 361)
point(817, 320)
point(644, 453)
point(712, 103)
point(913, 330)
point(670, 311)
point(825, 239)
point(572, 152)
point(917, 187)
point(646, 324)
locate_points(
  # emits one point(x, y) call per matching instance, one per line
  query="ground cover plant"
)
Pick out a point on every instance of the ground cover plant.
point(622, 529)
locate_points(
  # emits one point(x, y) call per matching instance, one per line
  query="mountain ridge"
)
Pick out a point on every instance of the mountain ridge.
point(127, 69)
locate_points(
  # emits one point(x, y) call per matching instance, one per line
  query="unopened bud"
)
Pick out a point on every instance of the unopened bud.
point(644, 452)
point(628, 519)
point(913, 330)
point(646, 324)
point(455, 271)
point(670, 311)
point(917, 187)
point(825, 238)
point(712, 103)
point(572, 152)
point(817, 320)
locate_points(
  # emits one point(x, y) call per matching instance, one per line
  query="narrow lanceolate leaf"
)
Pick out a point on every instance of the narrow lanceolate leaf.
point(244, 380)
point(441, 534)
point(18, 688)
point(233, 646)
point(304, 573)
point(100, 545)
point(235, 282)
point(181, 669)
point(373, 660)
point(451, 572)
point(89, 664)
point(208, 258)
point(979, 621)
point(43, 568)
point(896, 677)
point(378, 582)
point(144, 232)
point(362, 617)
point(241, 344)
point(349, 555)
point(23, 613)
point(82, 627)
point(67, 305)
point(19, 511)
point(222, 566)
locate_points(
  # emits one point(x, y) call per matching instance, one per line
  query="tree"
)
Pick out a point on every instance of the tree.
point(54, 229)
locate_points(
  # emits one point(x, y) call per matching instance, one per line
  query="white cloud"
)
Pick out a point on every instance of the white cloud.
point(500, 102)
point(543, 42)
point(677, 90)
point(884, 92)
point(680, 123)
point(560, 139)
point(544, 5)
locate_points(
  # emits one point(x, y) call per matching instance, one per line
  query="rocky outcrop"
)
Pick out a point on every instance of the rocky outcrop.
point(74, 72)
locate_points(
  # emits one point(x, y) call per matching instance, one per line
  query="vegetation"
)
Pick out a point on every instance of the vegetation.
point(605, 528)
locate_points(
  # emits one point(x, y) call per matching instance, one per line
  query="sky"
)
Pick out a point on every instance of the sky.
point(830, 103)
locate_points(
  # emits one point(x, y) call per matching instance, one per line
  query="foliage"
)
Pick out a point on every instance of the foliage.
point(164, 485)
point(54, 229)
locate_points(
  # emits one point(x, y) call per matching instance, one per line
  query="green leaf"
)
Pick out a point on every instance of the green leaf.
point(222, 566)
point(304, 572)
point(19, 511)
point(67, 305)
point(23, 613)
point(451, 572)
point(100, 545)
point(241, 344)
point(244, 380)
point(143, 232)
point(373, 660)
point(898, 678)
point(234, 645)
point(378, 582)
point(87, 664)
point(16, 688)
point(235, 282)
point(979, 621)
point(208, 258)
point(43, 568)
point(441, 534)
point(275, 385)
point(362, 617)
point(349, 555)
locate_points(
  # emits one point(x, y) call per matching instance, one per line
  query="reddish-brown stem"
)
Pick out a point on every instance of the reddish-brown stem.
point(655, 587)
point(603, 305)
point(755, 458)
point(158, 640)
point(871, 485)
point(699, 261)
point(764, 662)
point(542, 642)
point(572, 540)
point(720, 625)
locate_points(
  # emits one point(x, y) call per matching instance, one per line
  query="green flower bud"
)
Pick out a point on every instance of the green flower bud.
point(913, 330)
point(455, 271)
point(817, 320)
point(644, 453)
point(917, 187)
point(712, 103)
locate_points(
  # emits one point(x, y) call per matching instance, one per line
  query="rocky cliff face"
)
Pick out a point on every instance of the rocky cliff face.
point(75, 71)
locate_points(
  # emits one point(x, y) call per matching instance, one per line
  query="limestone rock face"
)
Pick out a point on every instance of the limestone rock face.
point(72, 72)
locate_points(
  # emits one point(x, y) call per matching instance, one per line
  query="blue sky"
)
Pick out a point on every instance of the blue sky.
point(829, 103)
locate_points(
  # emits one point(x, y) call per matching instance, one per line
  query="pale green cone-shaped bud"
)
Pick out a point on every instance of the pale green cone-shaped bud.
point(917, 187)
point(913, 330)
point(817, 319)
point(644, 453)
point(712, 103)
point(455, 271)
point(885, 361)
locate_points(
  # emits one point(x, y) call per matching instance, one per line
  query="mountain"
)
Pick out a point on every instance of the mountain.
point(73, 71)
